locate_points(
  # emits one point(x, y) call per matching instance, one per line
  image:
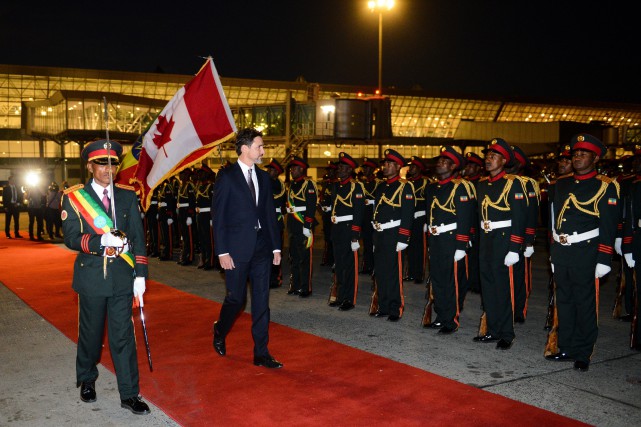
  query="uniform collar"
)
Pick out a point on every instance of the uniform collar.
point(446, 180)
point(585, 176)
point(345, 181)
point(497, 177)
point(392, 180)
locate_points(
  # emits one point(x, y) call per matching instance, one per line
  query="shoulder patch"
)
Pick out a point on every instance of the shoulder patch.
point(604, 178)
point(74, 188)
point(485, 178)
point(125, 187)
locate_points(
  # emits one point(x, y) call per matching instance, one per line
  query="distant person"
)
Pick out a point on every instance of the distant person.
point(247, 242)
point(36, 202)
point(11, 199)
point(109, 271)
point(52, 211)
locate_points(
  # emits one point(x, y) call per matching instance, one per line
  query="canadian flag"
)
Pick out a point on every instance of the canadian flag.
point(193, 123)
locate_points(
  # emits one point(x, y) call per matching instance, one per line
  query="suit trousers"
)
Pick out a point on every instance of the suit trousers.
point(11, 212)
point(257, 270)
point(122, 341)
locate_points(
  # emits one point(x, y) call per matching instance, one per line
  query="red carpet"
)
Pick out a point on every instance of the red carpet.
point(195, 386)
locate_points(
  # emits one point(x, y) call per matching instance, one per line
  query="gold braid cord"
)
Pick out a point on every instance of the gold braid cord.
point(282, 191)
point(347, 200)
point(301, 193)
point(582, 206)
point(449, 205)
point(204, 192)
point(390, 201)
point(488, 203)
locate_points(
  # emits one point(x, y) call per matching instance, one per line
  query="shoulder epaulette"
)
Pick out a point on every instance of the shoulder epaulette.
point(484, 178)
point(511, 177)
point(605, 179)
point(404, 180)
point(74, 188)
point(567, 175)
point(125, 187)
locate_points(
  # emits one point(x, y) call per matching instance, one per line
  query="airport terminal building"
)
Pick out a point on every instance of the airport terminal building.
point(48, 114)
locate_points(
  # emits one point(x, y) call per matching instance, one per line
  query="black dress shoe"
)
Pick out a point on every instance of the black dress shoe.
point(268, 362)
point(368, 271)
point(504, 344)
point(446, 330)
point(135, 405)
point(408, 279)
point(486, 338)
point(435, 325)
point(18, 236)
point(164, 258)
point(581, 366)
point(9, 236)
point(626, 318)
point(304, 294)
point(380, 314)
point(219, 343)
point(334, 303)
point(346, 306)
point(291, 292)
point(559, 357)
point(88, 391)
point(393, 318)
point(207, 267)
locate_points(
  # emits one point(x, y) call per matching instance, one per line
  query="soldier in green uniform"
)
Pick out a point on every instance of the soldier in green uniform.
point(474, 167)
point(370, 182)
point(166, 215)
point(324, 204)
point(502, 215)
point(186, 204)
point(632, 246)
point(109, 271)
point(151, 225)
point(625, 297)
point(392, 222)
point(585, 211)
point(278, 188)
point(416, 251)
point(347, 205)
point(302, 197)
point(450, 206)
point(204, 194)
point(523, 268)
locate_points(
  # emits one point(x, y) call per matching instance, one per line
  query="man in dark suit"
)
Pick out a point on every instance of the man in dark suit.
point(11, 199)
point(247, 242)
point(109, 271)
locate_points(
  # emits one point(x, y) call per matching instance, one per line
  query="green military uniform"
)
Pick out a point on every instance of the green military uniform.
point(204, 195)
point(280, 198)
point(450, 207)
point(392, 222)
point(302, 197)
point(347, 205)
point(585, 212)
point(186, 204)
point(166, 219)
point(632, 246)
point(416, 251)
point(105, 284)
point(473, 278)
point(502, 215)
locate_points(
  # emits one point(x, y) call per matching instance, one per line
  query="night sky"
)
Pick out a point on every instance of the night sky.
point(511, 48)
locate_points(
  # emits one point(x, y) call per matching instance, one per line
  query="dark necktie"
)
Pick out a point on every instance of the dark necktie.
point(252, 188)
point(105, 200)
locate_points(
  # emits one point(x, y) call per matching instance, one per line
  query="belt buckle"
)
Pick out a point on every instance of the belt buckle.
point(333, 219)
point(290, 209)
point(377, 226)
point(197, 210)
point(487, 225)
point(563, 239)
point(433, 230)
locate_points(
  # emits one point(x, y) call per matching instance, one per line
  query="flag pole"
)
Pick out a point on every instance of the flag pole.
point(111, 176)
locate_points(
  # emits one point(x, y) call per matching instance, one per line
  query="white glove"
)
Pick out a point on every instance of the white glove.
point(511, 258)
point(170, 221)
point(400, 246)
point(629, 260)
point(617, 245)
point(355, 246)
point(188, 222)
point(552, 266)
point(425, 228)
point(529, 250)
point(142, 215)
point(211, 223)
point(157, 216)
point(459, 255)
point(307, 232)
point(139, 289)
point(111, 241)
point(601, 270)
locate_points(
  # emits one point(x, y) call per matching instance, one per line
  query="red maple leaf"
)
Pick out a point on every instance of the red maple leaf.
point(163, 132)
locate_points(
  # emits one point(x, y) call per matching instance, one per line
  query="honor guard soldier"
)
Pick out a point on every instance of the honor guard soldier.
point(502, 214)
point(632, 246)
point(370, 182)
point(416, 251)
point(450, 206)
point(624, 296)
point(186, 204)
point(473, 172)
point(166, 215)
point(204, 193)
point(346, 215)
point(302, 197)
point(102, 222)
point(523, 268)
point(278, 188)
point(392, 222)
point(324, 203)
point(586, 211)
point(151, 225)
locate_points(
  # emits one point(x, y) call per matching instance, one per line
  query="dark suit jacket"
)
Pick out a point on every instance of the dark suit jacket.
point(235, 215)
point(88, 275)
point(6, 196)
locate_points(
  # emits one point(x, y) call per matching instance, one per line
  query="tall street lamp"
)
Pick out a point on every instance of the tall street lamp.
point(380, 6)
